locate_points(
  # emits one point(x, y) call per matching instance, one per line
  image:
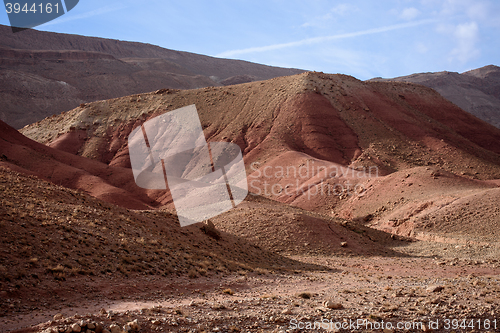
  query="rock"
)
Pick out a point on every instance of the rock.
point(103, 311)
point(58, 316)
point(49, 330)
point(343, 244)
point(91, 326)
point(161, 91)
point(115, 328)
point(99, 328)
point(209, 228)
point(134, 325)
point(436, 300)
point(287, 312)
point(76, 328)
point(434, 289)
point(333, 305)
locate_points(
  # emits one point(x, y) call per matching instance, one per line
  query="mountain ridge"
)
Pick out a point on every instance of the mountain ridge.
point(45, 73)
point(476, 91)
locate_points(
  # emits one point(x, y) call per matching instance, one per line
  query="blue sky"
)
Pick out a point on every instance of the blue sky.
point(361, 38)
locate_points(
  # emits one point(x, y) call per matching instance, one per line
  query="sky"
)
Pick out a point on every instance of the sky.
point(361, 38)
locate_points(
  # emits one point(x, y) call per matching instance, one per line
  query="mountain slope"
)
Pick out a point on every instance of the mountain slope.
point(476, 91)
point(325, 143)
point(335, 118)
point(44, 73)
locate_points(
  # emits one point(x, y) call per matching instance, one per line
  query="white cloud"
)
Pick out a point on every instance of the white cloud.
point(474, 9)
point(478, 10)
point(409, 13)
point(316, 40)
point(467, 36)
point(421, 48)
point(341, 9)
point(320, 21)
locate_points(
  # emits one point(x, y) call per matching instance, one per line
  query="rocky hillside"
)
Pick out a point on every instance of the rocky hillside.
point(44, 73)
point(345, 177)
point(476, 91)
point(394, 155)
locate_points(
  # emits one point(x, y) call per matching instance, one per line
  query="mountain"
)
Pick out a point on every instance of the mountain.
point(476, 91)
point(45, 73)
point(345, 178)
point(329, 144)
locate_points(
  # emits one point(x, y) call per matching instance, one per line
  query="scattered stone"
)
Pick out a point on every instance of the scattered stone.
point(333, 305)
point(76, 328)
point(287, 312)
point(228, 291)
point(49, 330)
point(134, 325)
point(343, 244)
point(434, 289)
point(115, 328)
point(99, 328)
point(209, 228)
point(304, 295)
point(436, 300)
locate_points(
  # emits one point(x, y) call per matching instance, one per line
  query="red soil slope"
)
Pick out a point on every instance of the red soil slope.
point(315, 123)
point(331, 117)
point(111, 184)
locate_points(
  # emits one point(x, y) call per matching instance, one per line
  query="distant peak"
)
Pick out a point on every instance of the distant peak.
point(483, 71)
